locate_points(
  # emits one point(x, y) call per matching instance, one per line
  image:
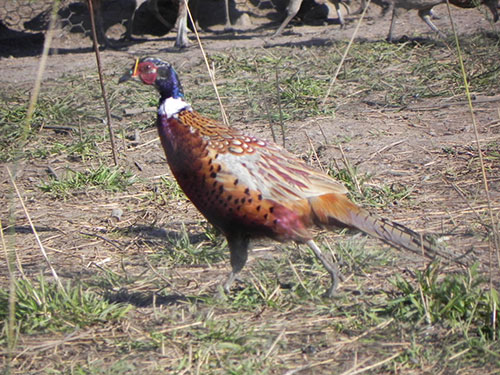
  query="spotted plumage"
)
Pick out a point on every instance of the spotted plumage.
point(248, 187)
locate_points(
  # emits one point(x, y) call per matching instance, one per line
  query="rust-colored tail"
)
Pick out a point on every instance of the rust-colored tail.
point(337, 210)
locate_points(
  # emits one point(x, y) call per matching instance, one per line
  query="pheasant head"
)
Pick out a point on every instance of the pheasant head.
point(160, 74)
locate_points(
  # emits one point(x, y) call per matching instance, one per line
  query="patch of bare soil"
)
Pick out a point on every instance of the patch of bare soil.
point(72, 51)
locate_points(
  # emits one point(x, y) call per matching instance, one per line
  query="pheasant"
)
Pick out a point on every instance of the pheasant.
point(248, 187)
point(181, 22)
point(424, 8)
point(294, 6)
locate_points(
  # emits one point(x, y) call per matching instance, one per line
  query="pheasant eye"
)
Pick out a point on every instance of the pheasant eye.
point(145, 67)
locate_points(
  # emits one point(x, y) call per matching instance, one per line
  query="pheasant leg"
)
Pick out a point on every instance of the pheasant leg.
point(332, 269)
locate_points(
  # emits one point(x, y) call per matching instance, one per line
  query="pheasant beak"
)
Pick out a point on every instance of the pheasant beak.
point(132, 73)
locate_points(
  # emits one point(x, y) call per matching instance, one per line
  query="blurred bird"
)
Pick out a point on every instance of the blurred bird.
point(294, 6)
point(424, 8)
point(181, 23)
point(248, 187)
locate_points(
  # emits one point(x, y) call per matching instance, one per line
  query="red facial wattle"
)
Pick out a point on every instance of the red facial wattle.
point(147, 72)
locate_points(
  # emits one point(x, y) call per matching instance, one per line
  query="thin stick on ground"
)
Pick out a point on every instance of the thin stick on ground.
point(211, 72)
point(280, 110)
point(40, 245)
point(41, 67)
point(350, 169)
point(344, 56)
point(494, 227)
point(476, 139)
point(11, 318)
point(313, 150)
point(294, 270)
point(266, 102)
point(273, 345)
point(371, 367)
point(101, 81)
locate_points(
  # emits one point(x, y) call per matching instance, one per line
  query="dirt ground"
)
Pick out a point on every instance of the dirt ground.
point(396, 146)
point(412, 137)
point(254, 30)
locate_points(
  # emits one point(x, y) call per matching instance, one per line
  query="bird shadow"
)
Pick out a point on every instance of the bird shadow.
point(148, 232)
point(26, 229)
point(147, 299)
point(18, 43)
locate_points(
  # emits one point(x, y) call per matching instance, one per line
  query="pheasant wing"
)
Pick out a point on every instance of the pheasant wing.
point(268, 168)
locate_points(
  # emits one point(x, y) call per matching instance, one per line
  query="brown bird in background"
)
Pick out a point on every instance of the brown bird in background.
point(424, 8)
point(248, 187)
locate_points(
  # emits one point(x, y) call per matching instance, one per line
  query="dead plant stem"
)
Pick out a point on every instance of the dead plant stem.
point(280, 110)
point(266, 102)
point(11, 318)
point(494, 228)
point(211, 72)
point(41, 67)
point(40, 245)
point(101, 81)
point(344, 56)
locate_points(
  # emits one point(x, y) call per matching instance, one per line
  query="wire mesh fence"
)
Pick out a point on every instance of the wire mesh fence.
point(34, 15)
point(29, 15)
point(18, 17)
point(23, 23)
point(24, 18)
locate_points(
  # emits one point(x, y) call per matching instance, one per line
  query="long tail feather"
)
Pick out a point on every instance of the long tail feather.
point(338, 210)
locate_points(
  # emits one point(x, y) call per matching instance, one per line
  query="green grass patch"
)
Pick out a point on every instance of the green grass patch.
point(262, 286)
point(291, 82)
point(83, 109)
point(54, 108)
point(168, 189)
point(101, 367)
point(461, 299)
point(43, 306)
point(83, 149)
point(365, 193)
point(183, 248)
point(102, 177)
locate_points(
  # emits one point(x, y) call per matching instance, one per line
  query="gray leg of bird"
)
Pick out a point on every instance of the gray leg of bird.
point(493, 6)
point(434, 16)
point(229, 281)
point(332, 269)
point(393, 21)
point(386, 7)
point(283, 24)
point(426, 14)
point(291, 10)
point(101, 32)
point(130, 20)
point(362, 6)
point(182, 30)
point(346, 6)
point(238, 247)
point(228, 25)
point(339, 14)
